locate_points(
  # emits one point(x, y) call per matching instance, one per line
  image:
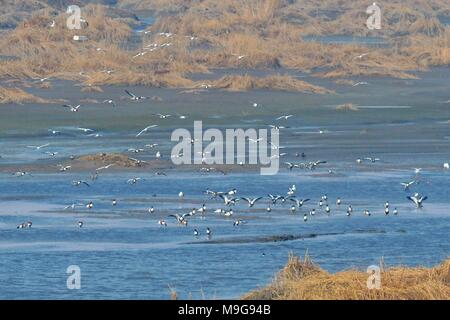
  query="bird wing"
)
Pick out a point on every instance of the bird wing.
point(130, 94)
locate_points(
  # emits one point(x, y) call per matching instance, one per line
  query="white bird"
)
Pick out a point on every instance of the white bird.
point(361, 83)
point(407, 185)
point(72, 108)
point(447, 165)
point(417, 170)
point(85, 130)
point(417, 199)
point(251, 202)
point(162, 223)
point(63, 168)
point(111, 102)
point(134, 97)
point(285, 117)
point(39, 147)
point(80, 224)
point(146, 129)
point(133, 180)
point(360, 56)
point(163, 116)
point(79, 183)
point(105, 167)
point(21, 173)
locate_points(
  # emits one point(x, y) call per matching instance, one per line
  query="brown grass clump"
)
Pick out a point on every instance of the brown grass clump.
point(347, 107)
point(303, 280)
point(16, 95)
point(117, 159)
point(275, 82)
point(91, 89)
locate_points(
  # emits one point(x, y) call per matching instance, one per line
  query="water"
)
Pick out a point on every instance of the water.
point(349, 39)
point(124, 254)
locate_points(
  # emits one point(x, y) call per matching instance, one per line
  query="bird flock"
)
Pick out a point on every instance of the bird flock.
point(229, 199)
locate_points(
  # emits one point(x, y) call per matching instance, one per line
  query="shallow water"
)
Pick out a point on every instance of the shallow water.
point(122, 251)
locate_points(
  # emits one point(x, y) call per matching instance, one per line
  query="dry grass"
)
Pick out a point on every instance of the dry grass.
point(16, 95)
point(236, 34)
point(276, 82)
point(303, 280)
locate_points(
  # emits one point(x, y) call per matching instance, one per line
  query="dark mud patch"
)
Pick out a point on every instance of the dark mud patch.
point(282, 238)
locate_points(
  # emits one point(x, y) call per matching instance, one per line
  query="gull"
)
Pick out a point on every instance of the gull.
point(300, 202)
point(367, 213)
point(208, 232)
point(51, 154)
point(251, 202)
point(361, 83)
point(238, 222)
point(163, 116)
point(361, 56)
point(79, 183)
point(273, 198)
point(114, 203)
point(181, 219)
point(327, 209)
point(313, 165)
point(291, 165)
point(293, 209)
point(407, 185)
point(72, 108)
point(111, 102)
point(105, 167)
point(135, 97)
point(80, 224)
point(162, 223)
point(275, 147)
point(417, 199)
point(158, 155)
point(338, 201)
point(305, 218)
point(140, 54)
point(373, 160)
point(72, 206)
point(196, 233)
point(417, 170)
point(151, 210)
point(285, 117)
point(256, 105)
point(268, 209)
point(39, 147)
point(133, 180)
point(54, 132)
point(146, 129)
point(138, 162)
point(63, 168)
point(277, 128)
point(181, 116)
point(133, 150)
point(447, 165)
point(85, 130)
point(228, 201)
point(151, 146)
point(90, 205)
point(21, 173)
point(349, 210)
point(395, 211)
